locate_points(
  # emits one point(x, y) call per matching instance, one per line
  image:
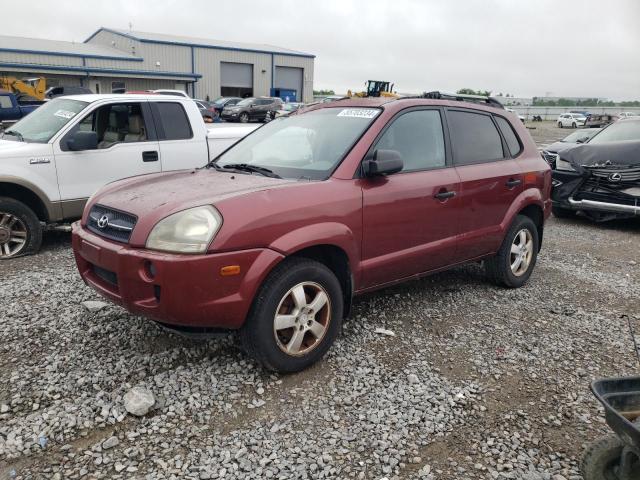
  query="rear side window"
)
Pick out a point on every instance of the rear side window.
point(509, 135)
point(474, 137)
point(174, 121)
point(418, 137)
point(5, 102)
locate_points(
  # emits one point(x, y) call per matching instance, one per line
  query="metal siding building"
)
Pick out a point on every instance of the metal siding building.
point(142, 61)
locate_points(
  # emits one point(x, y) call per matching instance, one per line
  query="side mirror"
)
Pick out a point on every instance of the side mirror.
point(83, 141)
point(384, 162)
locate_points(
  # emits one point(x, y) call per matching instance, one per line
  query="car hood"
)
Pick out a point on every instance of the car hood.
point(161, 194)
point(560, 146)
point(623, 154)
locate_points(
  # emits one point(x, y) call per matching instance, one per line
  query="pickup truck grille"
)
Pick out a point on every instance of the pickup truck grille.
point(110, 223)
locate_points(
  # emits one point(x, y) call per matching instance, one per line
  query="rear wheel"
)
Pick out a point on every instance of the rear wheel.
point(516, 259)
point(601, 459)
point(559, 124)
point(244, 117)
point(295, 317)
point(574, 125)
point(20, 231)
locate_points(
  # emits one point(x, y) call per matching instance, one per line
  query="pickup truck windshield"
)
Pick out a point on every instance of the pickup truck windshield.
point(46, 121)
point(309, 145)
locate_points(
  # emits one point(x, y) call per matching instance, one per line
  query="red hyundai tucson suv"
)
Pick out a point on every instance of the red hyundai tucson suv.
point(276, 235)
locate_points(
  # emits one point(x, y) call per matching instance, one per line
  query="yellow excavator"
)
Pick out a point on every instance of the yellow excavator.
point(34, 87)
point(376, 88)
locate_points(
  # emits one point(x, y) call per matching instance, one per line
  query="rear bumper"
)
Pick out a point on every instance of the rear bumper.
point(179, 290)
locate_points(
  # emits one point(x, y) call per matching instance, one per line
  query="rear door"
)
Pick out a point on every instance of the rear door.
point(490, 177)
point(410, 219)
point(127, 147)
point(180, 148)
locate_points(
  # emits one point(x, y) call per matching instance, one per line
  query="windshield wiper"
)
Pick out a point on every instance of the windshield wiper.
point(245, 167)
point(15, 133)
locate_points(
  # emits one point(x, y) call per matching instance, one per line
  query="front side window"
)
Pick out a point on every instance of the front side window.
point(47, 120)
point(118, 123)
point(474, 138)
point(310, 145)
point(418, 137)
point(5, 102)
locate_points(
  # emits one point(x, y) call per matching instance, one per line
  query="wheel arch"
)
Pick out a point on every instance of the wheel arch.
point(536, 214)
point(30, 196)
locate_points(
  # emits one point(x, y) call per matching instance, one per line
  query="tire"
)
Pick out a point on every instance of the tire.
point(560, 212)
point(601, 458)
point(559, 124)
point(500, 268)
point(20, 230)
point(268, 345)
point(244, 117)
point(574, 125)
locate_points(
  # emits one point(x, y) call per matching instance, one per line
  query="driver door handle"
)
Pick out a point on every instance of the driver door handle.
point(513, 182)
point(151, 156)
point(444, 194)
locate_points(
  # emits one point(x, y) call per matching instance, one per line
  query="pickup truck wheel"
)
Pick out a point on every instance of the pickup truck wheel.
point(244, 117)
point(295, 317)
point(514, 262)
point(20, 231)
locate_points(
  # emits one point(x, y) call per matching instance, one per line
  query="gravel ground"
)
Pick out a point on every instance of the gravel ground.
point(478, 382)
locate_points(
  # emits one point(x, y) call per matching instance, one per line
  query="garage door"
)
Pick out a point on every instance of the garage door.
point(236, 79)
point(289, 78)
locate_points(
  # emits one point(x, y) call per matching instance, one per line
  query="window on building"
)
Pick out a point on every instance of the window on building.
point(118, 87)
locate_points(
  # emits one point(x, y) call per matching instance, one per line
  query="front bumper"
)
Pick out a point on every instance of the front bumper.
point(229, 115)
point(179, 290)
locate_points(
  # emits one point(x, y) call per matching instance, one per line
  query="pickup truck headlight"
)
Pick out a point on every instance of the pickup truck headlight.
point(189, 231)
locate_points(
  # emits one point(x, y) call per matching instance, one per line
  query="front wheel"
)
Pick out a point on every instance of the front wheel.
point(601, 459)
point(244, 117)
point(516, 258)
point(295, 317)
point(20, 231)
point(574, 125)
point(559, 124)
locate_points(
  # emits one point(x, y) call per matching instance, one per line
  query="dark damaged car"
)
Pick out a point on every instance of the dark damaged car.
point(601, 179)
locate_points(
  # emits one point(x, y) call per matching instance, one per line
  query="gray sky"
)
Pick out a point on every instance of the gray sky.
point(523, 47)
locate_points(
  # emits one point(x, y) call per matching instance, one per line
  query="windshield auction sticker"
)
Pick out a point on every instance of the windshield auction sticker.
point(64, 114)
point(359, 112)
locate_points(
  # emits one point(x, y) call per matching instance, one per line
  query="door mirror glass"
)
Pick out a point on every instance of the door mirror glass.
point(384, 162)
point(82, 140)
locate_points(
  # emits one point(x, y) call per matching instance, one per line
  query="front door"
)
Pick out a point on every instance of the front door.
point(126, 148)
point(410, 219)
point(490, 179)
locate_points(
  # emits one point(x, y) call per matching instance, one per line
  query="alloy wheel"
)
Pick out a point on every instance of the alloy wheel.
point(521, 252)
point(302, 318)
point(13, 235)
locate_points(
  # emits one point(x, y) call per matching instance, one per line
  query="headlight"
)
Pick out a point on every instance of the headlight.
point(189, 231)
point(563, 164)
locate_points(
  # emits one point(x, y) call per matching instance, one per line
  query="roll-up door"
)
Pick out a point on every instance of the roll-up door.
point(236, 79)
point(289, 78)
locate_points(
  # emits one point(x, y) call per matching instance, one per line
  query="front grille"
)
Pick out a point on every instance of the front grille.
point(106, 275)
point(110, 223)
point(624, 175)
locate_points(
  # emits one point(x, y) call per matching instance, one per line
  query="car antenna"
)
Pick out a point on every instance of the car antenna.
point(633, 337)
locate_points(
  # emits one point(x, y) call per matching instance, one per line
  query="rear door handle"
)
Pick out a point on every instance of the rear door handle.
point(151, 156)
point(513, 182)
point(443, 195)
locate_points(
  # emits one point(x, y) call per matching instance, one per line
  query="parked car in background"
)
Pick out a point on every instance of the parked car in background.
point(13, 107)
point(176, 93)
point(286, 109)
point(221, 102)
point(572, 120)
point(279, 233)
point(251, 109)
point(600, 120)
point(54, 159)
point(601, 178)
point(628, 115)
point(61, 91)
point(207, 110)
point(582, 113)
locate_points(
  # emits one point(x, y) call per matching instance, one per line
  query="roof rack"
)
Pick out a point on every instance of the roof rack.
point(463, 98)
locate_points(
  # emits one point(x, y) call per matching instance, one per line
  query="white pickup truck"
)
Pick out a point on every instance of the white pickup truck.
point(54, 159)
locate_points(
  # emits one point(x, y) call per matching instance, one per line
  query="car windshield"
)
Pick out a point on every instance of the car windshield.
point(244, 103)
point(580, 135)
point(44, 122)
point(309, 146)
point(619, 131)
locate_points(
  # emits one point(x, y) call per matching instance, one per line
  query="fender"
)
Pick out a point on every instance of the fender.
point(530, 196)
point(328, 233)
point(53, 209)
